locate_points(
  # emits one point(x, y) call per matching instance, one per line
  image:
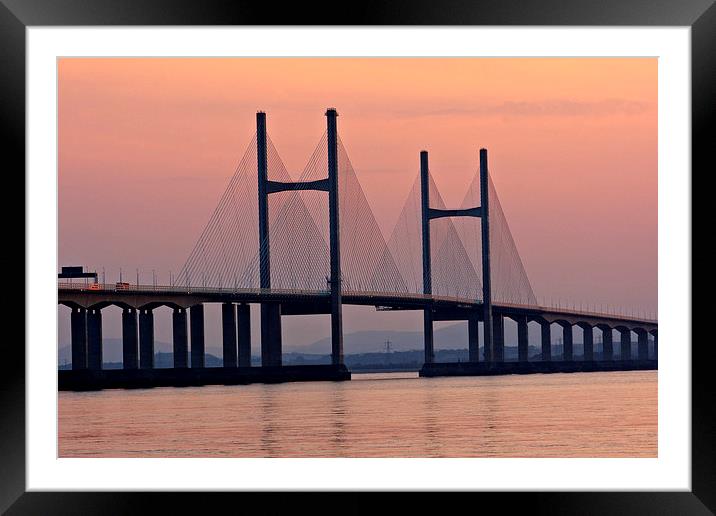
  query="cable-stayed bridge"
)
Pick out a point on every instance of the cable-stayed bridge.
point(308, 245)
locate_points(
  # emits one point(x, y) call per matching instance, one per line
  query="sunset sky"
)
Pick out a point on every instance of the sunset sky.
point(147, 146)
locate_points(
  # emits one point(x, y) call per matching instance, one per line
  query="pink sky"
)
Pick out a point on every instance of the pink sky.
point(146, 147)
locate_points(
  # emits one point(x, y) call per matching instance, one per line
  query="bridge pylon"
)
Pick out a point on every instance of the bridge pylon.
point(481, 212)
point(271, 312)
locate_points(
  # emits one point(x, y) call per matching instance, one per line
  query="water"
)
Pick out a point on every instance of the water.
point(375, 415)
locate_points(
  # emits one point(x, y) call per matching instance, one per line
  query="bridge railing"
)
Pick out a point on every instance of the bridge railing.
point(378, 295)
point(577, 312)
point(410, 295)
point(180, 289)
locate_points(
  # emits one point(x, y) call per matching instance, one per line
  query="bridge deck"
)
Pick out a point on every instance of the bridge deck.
point(313, 301)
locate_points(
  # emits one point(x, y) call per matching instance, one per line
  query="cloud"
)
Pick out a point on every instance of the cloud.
point(547, 108)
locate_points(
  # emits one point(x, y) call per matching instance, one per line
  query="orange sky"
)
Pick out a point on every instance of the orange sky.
point(146, 147)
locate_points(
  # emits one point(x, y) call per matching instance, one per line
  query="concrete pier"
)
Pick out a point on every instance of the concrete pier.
point(567, 342)
point(522, 339)
point(94, 339)
point(588, 340)
point(243, 326)
point(196, 319)
point(546, 331)
point(498, 338)
point(180, 338)
point(78, 327)
point(473, 338)
point(503, 368)
point(228, 333)
point(428, 335)
point(625, 343)
point(146, 339)
point(86, 380)
point(656, 344)
point(271, 346)
point(487, 349)
point(607, 344)
point(642, 344)
point(130, 339)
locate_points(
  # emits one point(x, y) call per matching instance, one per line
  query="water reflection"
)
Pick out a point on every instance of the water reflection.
point(558, 415)
point(431, 419)
point(268, 421)
point(339, 416)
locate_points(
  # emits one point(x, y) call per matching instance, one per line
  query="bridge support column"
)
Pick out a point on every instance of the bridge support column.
point(428, 335)
point(196, 318)
point(180, 338)
point(270, 312)
point(243, 325)
point(588, 341)
point(334, 230)
point(146, 339)
point(656, 344)
point(486, 271)
point(473, 338)
point(625, 342)
point(427, 274)
point(522, 340)
point(487, 348)
point(130, 341)
point(546, 328)
point(94, 339)
point(642, 345)
point(271, 346)
point(607, 344)
point(567, 347)
point(498, 338)
point(78, 328)
point(228, 321)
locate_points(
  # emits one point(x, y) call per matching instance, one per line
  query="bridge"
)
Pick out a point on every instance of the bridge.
point(308, 246)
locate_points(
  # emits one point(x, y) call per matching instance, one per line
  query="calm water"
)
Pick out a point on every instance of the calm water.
point(375, 415)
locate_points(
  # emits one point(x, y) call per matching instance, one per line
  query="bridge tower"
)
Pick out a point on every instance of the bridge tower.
point(481, 212)
point(427, 272)
point(271, 312)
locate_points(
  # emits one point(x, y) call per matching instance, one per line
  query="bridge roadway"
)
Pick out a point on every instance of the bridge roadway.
point(298, 302)
point(87, 303)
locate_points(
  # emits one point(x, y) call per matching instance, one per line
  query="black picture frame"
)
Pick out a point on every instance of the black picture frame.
point(700, 15)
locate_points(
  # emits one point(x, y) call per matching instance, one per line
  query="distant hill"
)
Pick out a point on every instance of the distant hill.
point(111, 349)
point(369, 341)
point(411, 360)
point(361, 348)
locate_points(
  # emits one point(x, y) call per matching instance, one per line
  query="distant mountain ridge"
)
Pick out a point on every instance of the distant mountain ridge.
point(370, 341)
point(360, 342)
point(365, 341)
point(411, 360)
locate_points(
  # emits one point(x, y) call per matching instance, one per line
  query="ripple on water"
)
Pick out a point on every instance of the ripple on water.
point(375, 415)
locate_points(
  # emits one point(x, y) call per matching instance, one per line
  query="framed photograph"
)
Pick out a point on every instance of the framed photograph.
point(407, 249)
